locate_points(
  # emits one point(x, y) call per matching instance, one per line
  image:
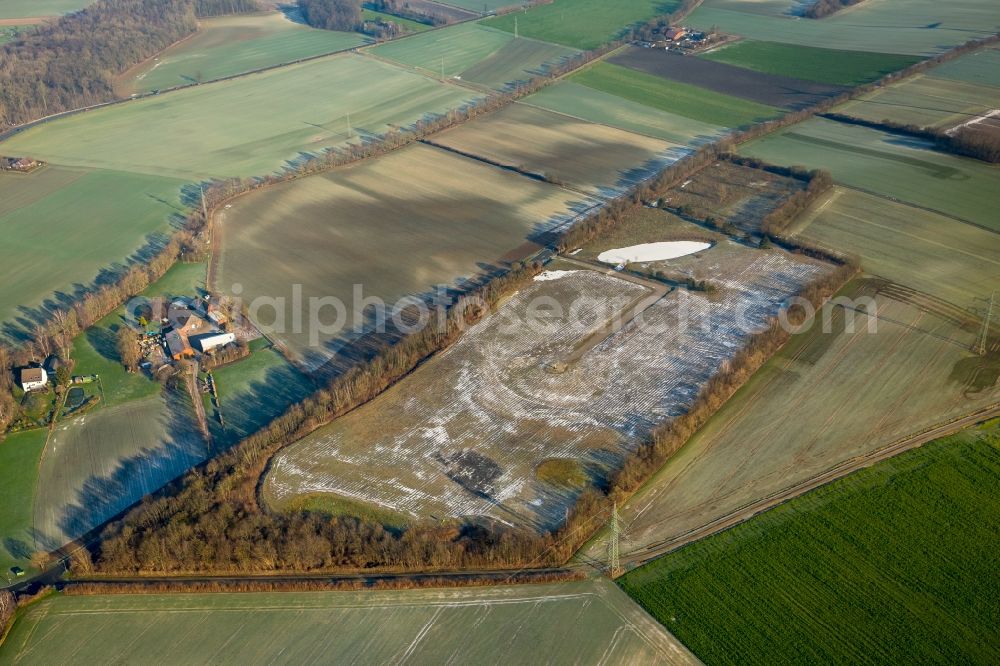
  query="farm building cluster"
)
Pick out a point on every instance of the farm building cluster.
point(193, 326)
point(676, 38)
point(21, 164)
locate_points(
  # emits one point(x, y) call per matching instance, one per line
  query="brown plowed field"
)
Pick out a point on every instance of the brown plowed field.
point(780, 91)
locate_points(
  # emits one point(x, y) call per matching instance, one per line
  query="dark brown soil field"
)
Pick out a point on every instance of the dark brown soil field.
point(780, 91)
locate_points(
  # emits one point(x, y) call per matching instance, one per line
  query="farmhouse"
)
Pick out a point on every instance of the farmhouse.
point(177, 345)
point(34, 378)
point(676, 34)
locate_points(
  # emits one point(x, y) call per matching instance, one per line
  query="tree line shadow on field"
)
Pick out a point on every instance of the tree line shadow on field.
point(251, 407)
point(20, 329)
point(100, 498)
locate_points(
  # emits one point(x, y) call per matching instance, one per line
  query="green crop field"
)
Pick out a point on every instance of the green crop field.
point(594, 158)
point(980, 68)
point(932, 253)
point(511, 624)
point(848, 68)
point(822, 399)
point(183, 279)
point(892, 564)
point(32, 8)
point(247, 126)
point(926, 100)
point(914, 27)
point(887, 164)
point(19, 456)
point(411, 26)
point(597, 106)
point(252, 392)
point(98, 464)
point(431, 218)
point(62, 227)
point(453, 49)
point(674, 97)
point(583, 24)
point(476, 53)
point(95, 352)
point(234, 44)
point(517, 60)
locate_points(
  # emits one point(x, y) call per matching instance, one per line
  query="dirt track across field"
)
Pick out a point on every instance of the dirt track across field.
point(657, 291)
point(31, 20)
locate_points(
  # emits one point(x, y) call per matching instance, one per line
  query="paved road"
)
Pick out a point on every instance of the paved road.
point(654, 550)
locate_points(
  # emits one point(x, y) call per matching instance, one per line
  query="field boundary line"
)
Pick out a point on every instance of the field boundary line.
point(918, 206)
point(840, 470)
point(595, 122)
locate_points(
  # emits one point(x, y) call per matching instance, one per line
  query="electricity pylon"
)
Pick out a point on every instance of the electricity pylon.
point(984, 336)
point(614, 559)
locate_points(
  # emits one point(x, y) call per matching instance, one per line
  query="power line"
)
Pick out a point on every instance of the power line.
point(984, 336)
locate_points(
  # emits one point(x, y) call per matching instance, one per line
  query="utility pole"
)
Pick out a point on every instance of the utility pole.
point(442, 67)
point(515, 27)
point(204, 208)
point(984, 336)
point(614, 559)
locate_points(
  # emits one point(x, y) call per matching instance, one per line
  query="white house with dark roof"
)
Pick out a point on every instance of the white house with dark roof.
point(33, 379)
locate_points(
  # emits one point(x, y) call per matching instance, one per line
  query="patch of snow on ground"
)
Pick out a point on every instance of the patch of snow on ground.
point(652, 252)
point(552, 275)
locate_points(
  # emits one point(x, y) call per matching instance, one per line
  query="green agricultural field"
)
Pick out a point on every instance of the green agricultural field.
point(594, 158)
point(98, 464)
point(597, 106)
point(32, 8)
point(95, 352)
point(673, 97)
point(247, 126)
point(932, 253)
point(583, 24)
point(183, 279)
point(451, 50)
point(19, 456)
point(847, 68)
point(979, 68)
point(926, 100)
point(253, 391)
point(511, 624)
point(517, 60)
point(431, 218)
point(913, 27)
point(889, 165)
point(475, 53)
point(234, 44)
point(411, 26)
point(824, 398)
point(891, 564)
point(63, 226)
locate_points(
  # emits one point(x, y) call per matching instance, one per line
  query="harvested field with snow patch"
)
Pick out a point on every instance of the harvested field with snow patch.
point(462, 436)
